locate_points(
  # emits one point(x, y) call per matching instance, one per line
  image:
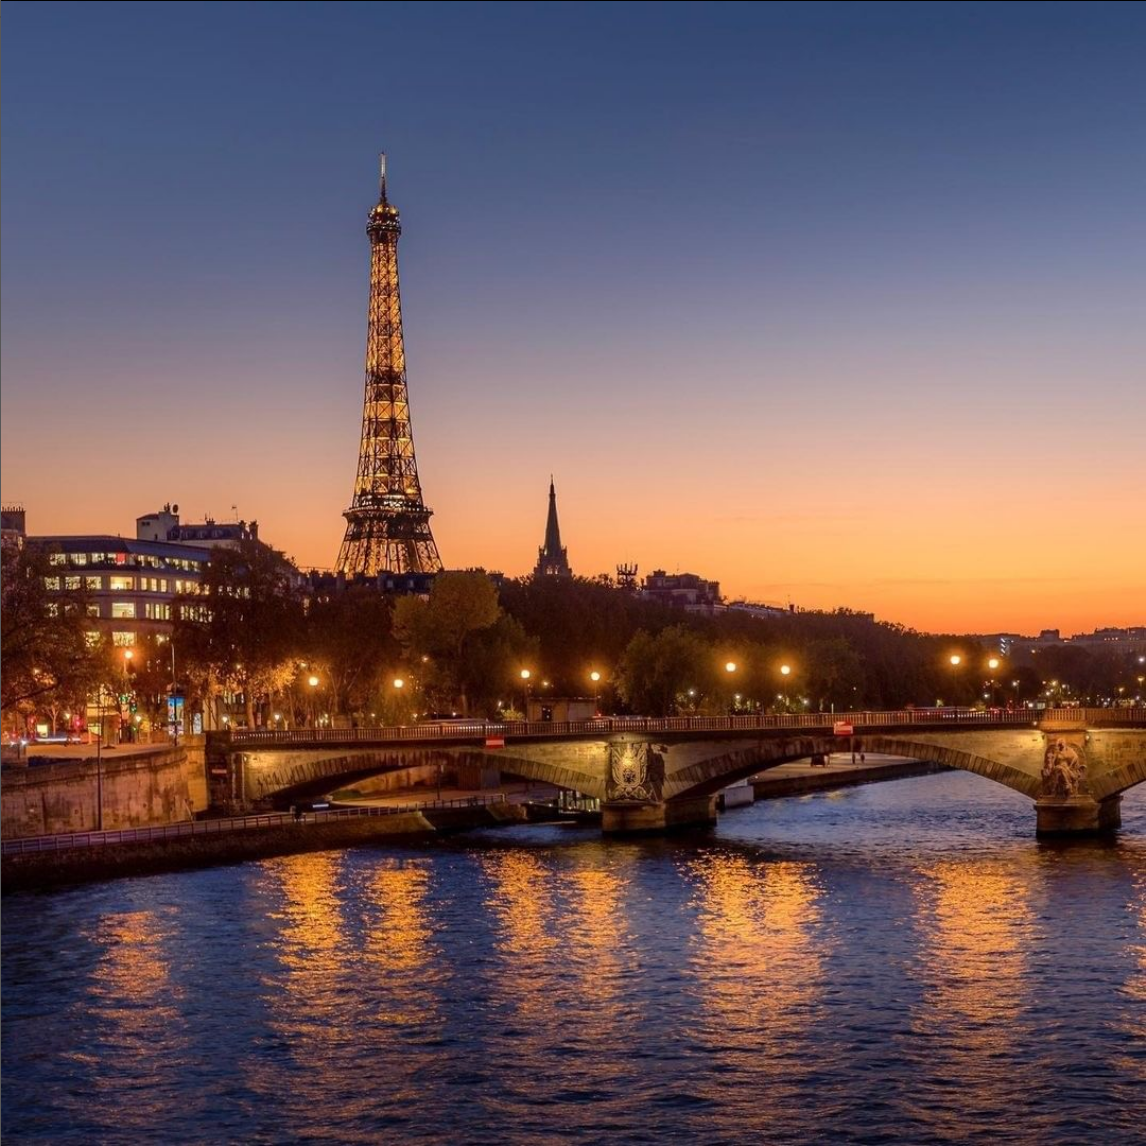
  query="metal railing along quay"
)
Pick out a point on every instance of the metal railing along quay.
point(808, 721)
point(189, 828)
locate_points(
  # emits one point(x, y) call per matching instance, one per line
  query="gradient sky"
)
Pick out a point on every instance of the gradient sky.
point(837, 303)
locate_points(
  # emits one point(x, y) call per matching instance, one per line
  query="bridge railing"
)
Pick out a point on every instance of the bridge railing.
point(557, 729)
point(198, 828)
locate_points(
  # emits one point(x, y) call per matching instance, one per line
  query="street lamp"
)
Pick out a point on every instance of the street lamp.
point(730, 666)
point(595, 677)
point(956, 660)
point(525, 675)
point(127, 655)
point(785, 670)
point(312, 680)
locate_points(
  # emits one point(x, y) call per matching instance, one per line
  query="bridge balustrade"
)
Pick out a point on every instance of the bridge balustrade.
point(817, 721)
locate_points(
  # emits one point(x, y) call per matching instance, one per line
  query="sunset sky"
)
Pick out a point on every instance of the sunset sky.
point(837, 304)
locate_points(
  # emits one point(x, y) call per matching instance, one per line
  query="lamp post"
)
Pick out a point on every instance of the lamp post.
point(785, 672)
point(993, 664)
point(127, 655)
point(730, 668)
point(595, 677)
point(174, 700)
point(99, 764)
point(312, 681)
point(525, 675)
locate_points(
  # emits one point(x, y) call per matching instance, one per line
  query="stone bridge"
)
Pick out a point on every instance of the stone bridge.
point(1073, 763)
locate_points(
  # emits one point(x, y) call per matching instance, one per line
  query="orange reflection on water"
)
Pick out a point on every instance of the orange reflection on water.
point(595, 934)
point(400, 940)
point(312, 927)
point(976, 932)
point(521, 901)
point(759, 955)
point(131, 983)
point(1134, 1016)
point(977, 937)
point(759, 966)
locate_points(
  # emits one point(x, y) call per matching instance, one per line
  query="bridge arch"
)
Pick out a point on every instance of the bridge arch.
point(708, 776)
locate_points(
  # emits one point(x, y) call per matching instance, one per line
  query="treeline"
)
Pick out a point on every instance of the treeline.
point(251, 646)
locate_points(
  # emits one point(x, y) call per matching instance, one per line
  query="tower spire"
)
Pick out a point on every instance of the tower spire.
point(552, 557)
point(387, 524)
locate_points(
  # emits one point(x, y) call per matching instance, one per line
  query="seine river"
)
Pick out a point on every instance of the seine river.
point(895, 963)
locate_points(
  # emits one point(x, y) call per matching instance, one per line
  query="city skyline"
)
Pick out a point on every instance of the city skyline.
point(914, 391)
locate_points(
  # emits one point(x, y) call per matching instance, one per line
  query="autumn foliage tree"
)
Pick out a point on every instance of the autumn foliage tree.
point(242, 631)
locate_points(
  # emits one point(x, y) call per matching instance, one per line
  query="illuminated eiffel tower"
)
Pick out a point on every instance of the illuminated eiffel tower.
point(387, 524)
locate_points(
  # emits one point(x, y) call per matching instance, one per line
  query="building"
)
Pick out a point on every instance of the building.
point(127, 587)
point(552, 557)
point(12, 525)
point(164, 525)
point(559, 709)
point(685, 591)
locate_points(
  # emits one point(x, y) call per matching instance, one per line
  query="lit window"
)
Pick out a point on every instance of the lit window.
point(52, 583)
point(120, 584)
point(79, 558)
point(73, 582)
point(122, 609)
point(123, 639)
point(53, 609)
point(57, 559)
point(121, 558)
point(92, 638)
point(163, 584)
point(93, 610)
point(93, 582)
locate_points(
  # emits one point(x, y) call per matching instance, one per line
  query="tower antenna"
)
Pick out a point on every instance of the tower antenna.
point(381, 177)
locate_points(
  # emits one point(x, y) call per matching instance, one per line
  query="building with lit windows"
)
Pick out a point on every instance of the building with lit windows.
point(127, 587)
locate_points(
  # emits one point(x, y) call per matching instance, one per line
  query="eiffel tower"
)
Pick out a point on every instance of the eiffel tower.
point(387, 524)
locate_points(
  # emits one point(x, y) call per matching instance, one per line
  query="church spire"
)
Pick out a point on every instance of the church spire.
point(552, 558)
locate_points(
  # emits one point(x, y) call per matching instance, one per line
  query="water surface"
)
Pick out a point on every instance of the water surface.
point(900, 962)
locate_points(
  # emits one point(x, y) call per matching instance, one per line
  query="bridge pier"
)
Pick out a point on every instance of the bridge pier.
point(1077, 815)
point(629, 819)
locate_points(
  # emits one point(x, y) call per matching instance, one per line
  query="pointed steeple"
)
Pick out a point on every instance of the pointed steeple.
point(552, 559)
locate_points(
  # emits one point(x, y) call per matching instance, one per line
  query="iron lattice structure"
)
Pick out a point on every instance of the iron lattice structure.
point(387, 524)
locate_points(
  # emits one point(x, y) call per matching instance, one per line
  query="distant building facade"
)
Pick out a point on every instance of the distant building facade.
point(552, 558)
point(128, 586)
point(686, 591)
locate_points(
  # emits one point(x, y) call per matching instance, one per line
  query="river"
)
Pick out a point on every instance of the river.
point(901, 962)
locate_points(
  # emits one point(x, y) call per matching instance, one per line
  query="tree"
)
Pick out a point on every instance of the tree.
point(243, 629)
point(656, 672)
point(42, 643)
point(350, 642)
point(460, 604)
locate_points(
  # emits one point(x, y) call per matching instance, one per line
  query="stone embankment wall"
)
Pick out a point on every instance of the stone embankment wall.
point(42, 870)
point(139, 789)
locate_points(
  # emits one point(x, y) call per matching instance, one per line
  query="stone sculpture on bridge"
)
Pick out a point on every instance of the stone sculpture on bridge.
point(636, 773)
point(1064, 770)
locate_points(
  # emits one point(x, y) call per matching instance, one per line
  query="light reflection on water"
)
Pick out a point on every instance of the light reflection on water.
point(901, 962)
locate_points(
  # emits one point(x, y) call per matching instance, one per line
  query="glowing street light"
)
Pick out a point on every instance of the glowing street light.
point(956, 659)
point(525, 675)
point(785, 670)
point(312, 681)
point(399, 682)
point(595, 677)
point(730, 666)
point(993, 663)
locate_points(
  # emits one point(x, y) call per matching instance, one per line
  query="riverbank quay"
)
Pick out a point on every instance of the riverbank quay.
point(46, 862)
point(801, 779)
